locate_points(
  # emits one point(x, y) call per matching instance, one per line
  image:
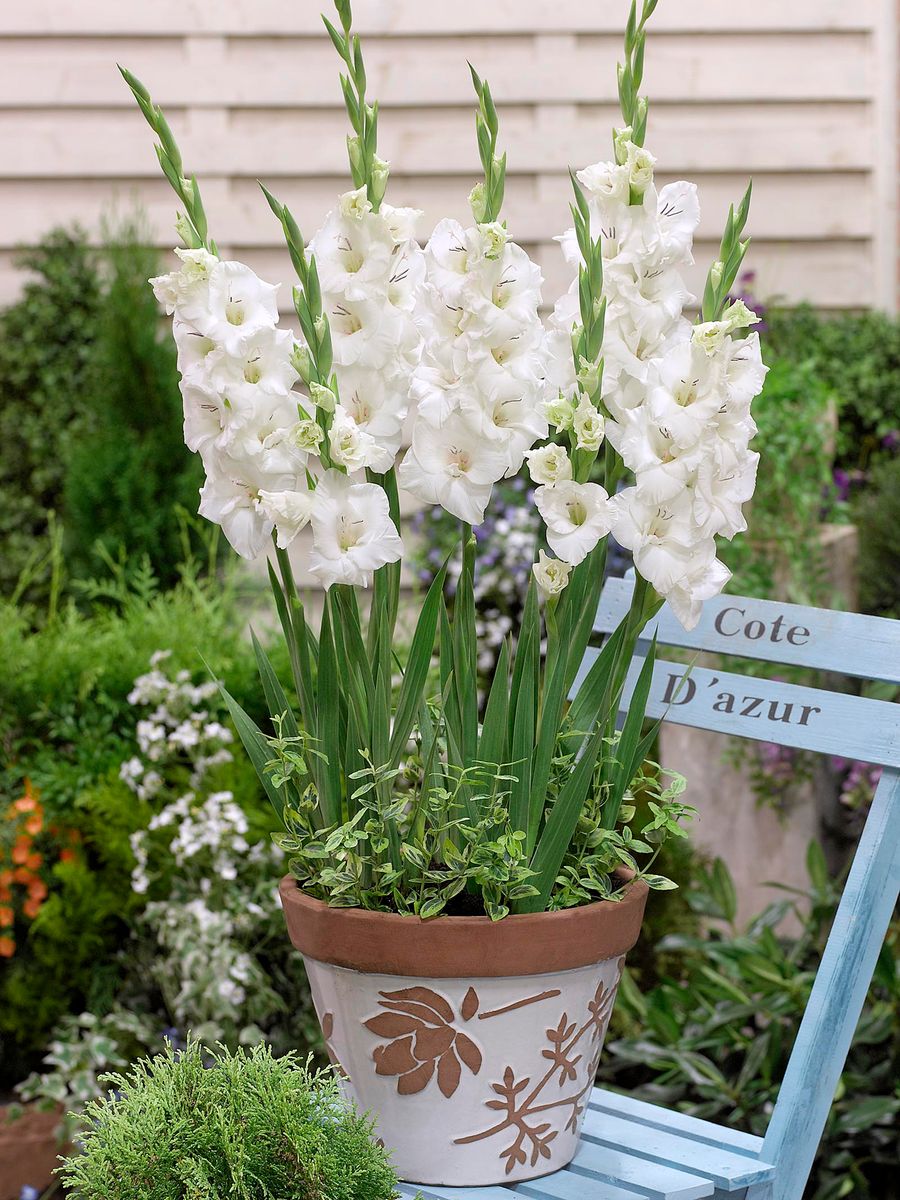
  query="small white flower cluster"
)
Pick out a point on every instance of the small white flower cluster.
point(175, 730)
point(480, 386)
point(678, 397)
point(216, 826)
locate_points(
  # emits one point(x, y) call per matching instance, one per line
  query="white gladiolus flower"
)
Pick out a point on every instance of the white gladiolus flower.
point(353, 534)
point(549, 465)
point(351, 447)
point(551, 574)
point(589, 426)
point(190, 282)
point(377, 402)
point(577, 516)
point(203, 416)
point(263, 361)
point(230, 498)
point(662, 537)
point(290, 512)
point(237, 305)
point(454, 466)
point(609, 182)
point(353, 253)
point(193, 348)
point(704, 578)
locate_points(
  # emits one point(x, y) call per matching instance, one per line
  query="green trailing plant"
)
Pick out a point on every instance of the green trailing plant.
point(714, 1035)
point(208, 1124)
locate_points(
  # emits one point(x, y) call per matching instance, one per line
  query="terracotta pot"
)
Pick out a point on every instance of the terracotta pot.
point(473, 1043)
point(29, 1150)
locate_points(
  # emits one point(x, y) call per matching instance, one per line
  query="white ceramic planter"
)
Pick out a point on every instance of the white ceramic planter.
point(478, 1078)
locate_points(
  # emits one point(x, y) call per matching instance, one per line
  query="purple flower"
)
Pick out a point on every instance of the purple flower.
point(29, 1193)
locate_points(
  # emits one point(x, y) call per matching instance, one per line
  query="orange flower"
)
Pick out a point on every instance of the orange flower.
point(34, 824)
point(33, 861)
point(5, 892)
point(26, 803)
point(21, 850)
point(37, 889)
point(6, 877)
point(23, 875)
point(7, 947)
point(67, 855)
point(31, 907)
point(7, 916)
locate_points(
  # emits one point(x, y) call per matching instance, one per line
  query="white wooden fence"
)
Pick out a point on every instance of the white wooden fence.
point(799, 93)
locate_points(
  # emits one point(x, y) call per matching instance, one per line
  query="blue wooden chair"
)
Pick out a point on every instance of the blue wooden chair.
point(636, 1151)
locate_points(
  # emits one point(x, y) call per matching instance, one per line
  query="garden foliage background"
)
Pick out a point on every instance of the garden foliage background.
point(128, 913)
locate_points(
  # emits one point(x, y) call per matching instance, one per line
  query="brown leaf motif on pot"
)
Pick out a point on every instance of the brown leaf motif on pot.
point(423, 1040)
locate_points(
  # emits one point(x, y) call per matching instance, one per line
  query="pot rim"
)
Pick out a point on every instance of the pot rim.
point(380, 943)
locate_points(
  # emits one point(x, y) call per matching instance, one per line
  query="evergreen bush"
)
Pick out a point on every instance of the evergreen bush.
point(197, 1126)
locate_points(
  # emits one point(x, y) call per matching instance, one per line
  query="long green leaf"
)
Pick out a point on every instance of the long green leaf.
point(416, 674)
point(274, 693)
point(523, 711)
point(329, 689)
point(560, 827)
point(257, 749)
point(585, 708)
point(494, 730)
point(629, 745)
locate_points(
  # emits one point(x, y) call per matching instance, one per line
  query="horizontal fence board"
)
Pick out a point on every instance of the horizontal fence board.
point(98, 143)
point(824, 639)
point(768, 710)
point(801, 207)
point(553, 69)
point(407, 17)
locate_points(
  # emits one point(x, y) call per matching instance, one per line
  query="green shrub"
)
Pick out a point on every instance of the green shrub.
point(90, 412)
point(878, 520)
point(713, 1037)
point(856, 356)
point(46, 364)
point(795, 441)
point(129, 471)
point(185, 1126)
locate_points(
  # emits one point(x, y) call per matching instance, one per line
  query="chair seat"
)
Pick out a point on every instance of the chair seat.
point(635, 1151)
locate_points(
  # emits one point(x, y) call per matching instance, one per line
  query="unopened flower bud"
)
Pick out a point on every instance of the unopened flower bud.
point(588, 376)
point(323, 397)
point(184, 229)
point(477, 202)
point(380, 173)
point(559, 412)
point(301, 361)
point(551, 574)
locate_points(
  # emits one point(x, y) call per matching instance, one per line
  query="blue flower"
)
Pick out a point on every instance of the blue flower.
point(29, 1193)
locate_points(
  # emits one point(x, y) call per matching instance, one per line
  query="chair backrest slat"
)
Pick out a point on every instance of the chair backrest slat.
point(843, 642)
point(767, 710)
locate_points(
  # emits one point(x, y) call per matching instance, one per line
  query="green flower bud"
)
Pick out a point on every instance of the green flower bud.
point(301, 361)
point(477, 202)
point(323, 397)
